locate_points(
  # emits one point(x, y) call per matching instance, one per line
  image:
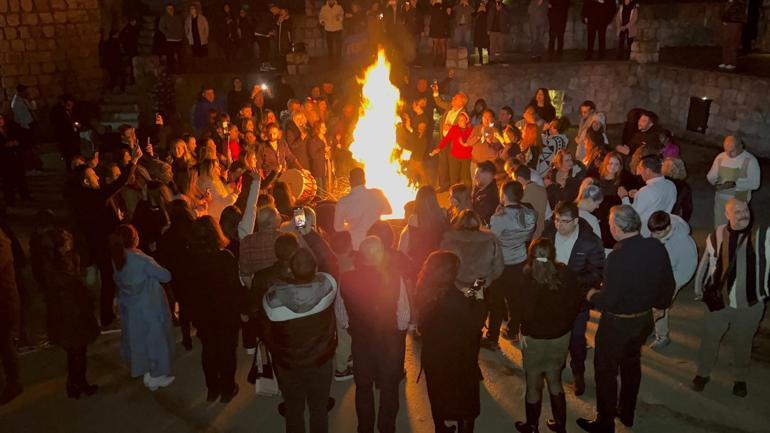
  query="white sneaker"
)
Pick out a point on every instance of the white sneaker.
point(660, 343)
point(160, 382)
point(730, 67)
point(722, 66)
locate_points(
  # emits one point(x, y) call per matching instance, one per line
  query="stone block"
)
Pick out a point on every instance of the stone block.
point(60, 17)
point(17, 45)
point(29, 19)
point(42, 5)
point(3, 6)
point(49, 31)
point(13, 5)
point(13, 20)
point(46, 17)
point(59, 5)
point(26, 5)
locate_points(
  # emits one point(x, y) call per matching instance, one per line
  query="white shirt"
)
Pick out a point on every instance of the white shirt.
point(658, 194)
point(564, 245)
point(742, 169)
point(592, 221)
point(357, 211)
point(22, 113)
point(331, 17)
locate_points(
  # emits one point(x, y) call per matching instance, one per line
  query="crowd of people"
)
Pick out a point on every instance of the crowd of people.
point(204, 230)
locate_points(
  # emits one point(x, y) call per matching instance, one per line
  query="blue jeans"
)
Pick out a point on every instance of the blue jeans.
point(578, 347)
point(463, 37)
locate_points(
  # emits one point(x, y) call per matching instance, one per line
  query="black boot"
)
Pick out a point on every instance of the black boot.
point(533, 419)
point(440, 427)
point(466, 425)
point(559, 411)
point(580, 383)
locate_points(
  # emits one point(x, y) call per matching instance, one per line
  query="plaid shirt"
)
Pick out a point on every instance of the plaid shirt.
point(257, 252)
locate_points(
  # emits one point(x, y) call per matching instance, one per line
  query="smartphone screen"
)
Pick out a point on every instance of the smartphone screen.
point(299, 218)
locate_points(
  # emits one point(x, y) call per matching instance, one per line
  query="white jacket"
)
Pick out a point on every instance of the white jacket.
point(682, 251)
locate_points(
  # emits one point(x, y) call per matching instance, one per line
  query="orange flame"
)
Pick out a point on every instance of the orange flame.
point(374, 138)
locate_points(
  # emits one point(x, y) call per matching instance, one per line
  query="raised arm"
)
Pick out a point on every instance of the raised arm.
point(246, 226)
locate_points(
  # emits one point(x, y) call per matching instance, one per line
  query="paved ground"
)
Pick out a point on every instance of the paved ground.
point(666, 403)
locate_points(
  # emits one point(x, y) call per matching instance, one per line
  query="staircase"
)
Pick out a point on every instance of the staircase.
point(147, 26)
point(117, 109)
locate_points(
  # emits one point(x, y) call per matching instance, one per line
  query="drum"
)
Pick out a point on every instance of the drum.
point(302, 184)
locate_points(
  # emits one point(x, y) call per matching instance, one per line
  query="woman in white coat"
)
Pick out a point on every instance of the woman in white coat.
point(196, 29)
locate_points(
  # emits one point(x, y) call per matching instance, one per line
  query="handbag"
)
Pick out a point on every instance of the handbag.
point(265, 383)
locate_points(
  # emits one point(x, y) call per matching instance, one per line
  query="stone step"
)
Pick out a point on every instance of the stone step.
point(120, 117)
point(124, 98)
point(105, 125)
point(106, 107)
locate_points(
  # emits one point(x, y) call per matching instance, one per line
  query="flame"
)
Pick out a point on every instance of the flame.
point(374, 138)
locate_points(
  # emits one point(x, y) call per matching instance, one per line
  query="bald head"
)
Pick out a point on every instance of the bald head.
point(737, 213)
point(371, 250)
point(268, 219)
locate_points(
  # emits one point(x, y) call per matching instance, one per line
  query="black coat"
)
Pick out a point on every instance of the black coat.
point(486, 200)
point(71, 323)
point(683, 206)
point(587, 258)
point(480, 35)
point(451, 333)
point(216, 296)
point(439, 21)
point(569, 192)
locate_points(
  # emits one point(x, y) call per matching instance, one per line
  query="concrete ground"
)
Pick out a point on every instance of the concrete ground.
point(666, 403)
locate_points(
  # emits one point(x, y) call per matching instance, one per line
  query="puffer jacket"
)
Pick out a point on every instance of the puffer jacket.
point(514, 226)
point(480, 255)
point(301, 327)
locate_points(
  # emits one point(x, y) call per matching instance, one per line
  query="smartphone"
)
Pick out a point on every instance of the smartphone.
point(299, 218)
point(477, 287)
point(225, 124)
point(263, 86)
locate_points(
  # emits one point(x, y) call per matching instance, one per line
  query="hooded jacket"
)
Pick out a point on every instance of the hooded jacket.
point(514, 225)
point(301, 324)
point(480, 255)
point(681, 251)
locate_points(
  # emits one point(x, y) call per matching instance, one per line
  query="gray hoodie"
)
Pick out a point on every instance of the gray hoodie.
point(682, 251)
point(292, 301)
point(514, 225)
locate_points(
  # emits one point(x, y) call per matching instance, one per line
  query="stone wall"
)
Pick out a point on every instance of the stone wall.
point(739, 103)
point(50, 46)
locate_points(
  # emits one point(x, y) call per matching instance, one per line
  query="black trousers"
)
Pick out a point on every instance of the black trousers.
point(174, 56)
point(264, 49)
point(218, 345)
point(13, 177)
point(443, 168)
point(594, 30)
point(306, 386)
point(619, 351)
point(77, 365)
point(503, 299)
point(9, 357)
point(334, 45)
point(624, 45)
point(556, 29)
point(107, 294)
point(378, 361)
